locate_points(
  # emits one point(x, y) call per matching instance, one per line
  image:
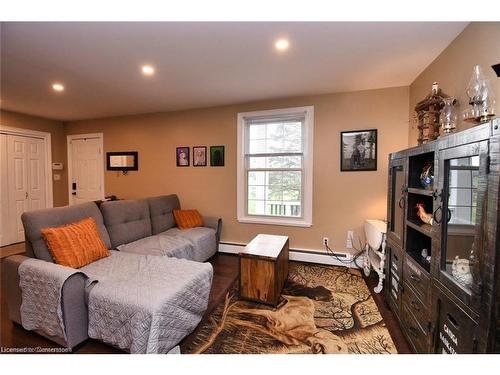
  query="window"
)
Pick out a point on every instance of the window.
point(275, 166)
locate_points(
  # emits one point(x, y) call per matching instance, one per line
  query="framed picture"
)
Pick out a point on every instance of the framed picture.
point(182, 156)
point(358, 150)
point(199, 156)
point(216, 156)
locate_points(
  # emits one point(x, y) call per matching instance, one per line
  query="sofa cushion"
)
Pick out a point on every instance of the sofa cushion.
point(202, 238)
point(35, 221)
point(126, 220)
point(161, 245)
point(197, 244)
point(186, 219)
point(75, 245)
point(161, 209)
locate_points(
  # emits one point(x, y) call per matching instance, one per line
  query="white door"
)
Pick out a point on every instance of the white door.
point(23, 183)
point(87, 169)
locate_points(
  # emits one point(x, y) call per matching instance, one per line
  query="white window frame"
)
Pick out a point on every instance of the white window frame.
point(307, 182)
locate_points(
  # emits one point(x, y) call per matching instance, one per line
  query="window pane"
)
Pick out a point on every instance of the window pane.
point(257, 146)
point(280, 162)
point(291, 195)
point(274, 130)
point(256, 192)
point(274, 192)
point(280, 195)
point(256, 178)
point(275, 137)
point(274, 178)
point(256, 207)
point(258, 131)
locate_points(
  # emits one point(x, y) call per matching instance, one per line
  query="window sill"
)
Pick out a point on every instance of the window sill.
point(275, 221)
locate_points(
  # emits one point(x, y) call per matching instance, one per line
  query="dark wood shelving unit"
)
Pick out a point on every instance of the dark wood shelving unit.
point(425, 229)
point(442, 308)
point(425, 192)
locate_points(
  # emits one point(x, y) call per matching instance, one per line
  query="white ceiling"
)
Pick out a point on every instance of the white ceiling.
point(203, 64)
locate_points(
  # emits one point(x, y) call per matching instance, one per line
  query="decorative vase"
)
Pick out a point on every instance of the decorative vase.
point(427, 177)
point(448, 117)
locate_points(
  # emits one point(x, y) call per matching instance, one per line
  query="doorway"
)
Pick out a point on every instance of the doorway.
point(26, 183)
point(85, 168)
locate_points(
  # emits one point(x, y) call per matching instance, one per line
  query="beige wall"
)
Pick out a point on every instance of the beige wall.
point(58, 141)
point(341, 200)
point(479, 44)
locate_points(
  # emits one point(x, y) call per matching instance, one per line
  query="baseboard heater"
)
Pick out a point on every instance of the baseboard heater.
point(304, 255)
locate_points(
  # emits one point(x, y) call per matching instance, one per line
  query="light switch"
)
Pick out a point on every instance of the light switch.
point(57, 177)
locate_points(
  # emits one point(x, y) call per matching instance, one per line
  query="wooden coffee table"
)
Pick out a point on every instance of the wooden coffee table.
point(264, 268)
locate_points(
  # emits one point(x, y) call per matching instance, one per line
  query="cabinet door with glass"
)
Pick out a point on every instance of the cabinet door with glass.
point(462, 185)
point(397, 200)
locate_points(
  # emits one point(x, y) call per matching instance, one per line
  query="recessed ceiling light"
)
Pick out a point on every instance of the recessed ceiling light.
point(59, 87)
point(147, 70)
point(282, 44)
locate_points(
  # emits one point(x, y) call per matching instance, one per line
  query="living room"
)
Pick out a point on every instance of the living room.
point(247, 165)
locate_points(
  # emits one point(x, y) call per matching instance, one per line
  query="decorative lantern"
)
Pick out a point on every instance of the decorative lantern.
point(481, 98)
point(428, 112)
point(448, 117)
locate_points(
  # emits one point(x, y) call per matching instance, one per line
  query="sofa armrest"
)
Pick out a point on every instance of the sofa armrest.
point(10, 286)
point(214, 223)
point(73, 301)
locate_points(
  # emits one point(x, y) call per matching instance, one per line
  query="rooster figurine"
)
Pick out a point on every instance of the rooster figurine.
point(424, 216)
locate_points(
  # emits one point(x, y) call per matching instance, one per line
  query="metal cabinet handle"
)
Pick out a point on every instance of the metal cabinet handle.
point(414, 277)
point(449, 216)
point(434, 215)
point(401, 202)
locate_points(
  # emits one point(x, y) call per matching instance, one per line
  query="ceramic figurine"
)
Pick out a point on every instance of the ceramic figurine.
point(424, 216)
point(460, 270)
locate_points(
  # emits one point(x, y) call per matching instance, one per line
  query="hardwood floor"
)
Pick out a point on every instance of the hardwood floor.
point(225, 272)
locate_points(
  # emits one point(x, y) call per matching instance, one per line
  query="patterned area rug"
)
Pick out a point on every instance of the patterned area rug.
point(323, 309)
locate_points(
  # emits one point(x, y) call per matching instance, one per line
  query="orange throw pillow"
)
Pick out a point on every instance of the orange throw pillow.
point(75, 245)
point(186, 219)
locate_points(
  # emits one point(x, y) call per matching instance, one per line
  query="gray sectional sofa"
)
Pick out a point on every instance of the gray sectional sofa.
point(144, 298)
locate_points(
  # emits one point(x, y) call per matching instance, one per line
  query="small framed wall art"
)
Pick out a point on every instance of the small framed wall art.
point(358, 150)
point(216, 156)
point(182, 156)
point(199, 156)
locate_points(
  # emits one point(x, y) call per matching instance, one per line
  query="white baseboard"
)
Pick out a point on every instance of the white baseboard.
point(304, 255)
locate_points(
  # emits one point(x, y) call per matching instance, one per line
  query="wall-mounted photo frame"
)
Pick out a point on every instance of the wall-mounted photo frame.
point(358, 150)
point(182, 156)
point(199, 156)
point(216, 156)
point(122, 161)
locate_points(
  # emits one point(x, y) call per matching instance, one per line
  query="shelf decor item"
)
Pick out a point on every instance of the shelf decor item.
point(423, 215)
point(427, 176)
point(481, 98)
point(428, 112)
point(460, 270)
point(448, 117)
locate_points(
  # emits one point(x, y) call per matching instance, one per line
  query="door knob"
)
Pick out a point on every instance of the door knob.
point(26, 197)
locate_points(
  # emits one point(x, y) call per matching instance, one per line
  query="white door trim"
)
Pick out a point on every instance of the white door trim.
point(69, 138)
point(49, 193)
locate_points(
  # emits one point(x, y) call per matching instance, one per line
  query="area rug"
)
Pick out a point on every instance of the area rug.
point(323, 309)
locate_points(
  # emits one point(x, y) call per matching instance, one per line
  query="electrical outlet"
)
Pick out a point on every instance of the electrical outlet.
point(350, 239)
point(326, 241)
